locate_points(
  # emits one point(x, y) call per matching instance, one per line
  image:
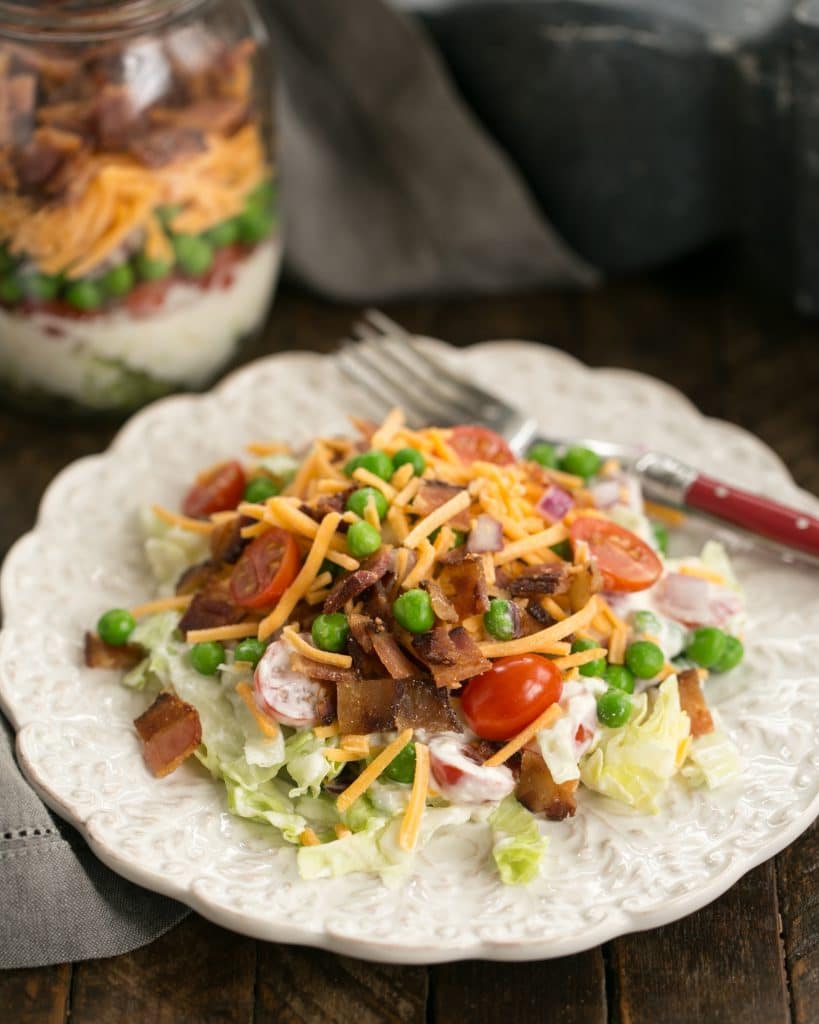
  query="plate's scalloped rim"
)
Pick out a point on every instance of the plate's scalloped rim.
point(191, 894)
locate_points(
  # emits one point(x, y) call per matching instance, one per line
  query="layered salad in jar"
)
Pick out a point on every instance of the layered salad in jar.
point(138, 228)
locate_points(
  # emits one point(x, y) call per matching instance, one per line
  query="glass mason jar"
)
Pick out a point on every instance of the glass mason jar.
point(139, 241)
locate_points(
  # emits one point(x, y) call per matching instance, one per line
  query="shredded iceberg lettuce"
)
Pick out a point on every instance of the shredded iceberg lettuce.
point(170, 550)
point(635, 763)
point(518, 847)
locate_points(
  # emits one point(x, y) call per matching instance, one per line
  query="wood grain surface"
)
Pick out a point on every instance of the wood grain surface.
point(751, 957)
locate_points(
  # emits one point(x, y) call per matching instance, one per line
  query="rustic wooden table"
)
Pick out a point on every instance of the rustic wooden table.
point(752, 957)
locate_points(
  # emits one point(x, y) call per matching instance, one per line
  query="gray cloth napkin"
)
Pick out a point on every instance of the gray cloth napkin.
point(391, 187)
point(59, 902)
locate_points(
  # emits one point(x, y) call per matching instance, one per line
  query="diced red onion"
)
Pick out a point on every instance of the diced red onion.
point(485, 535)
point(555, 502)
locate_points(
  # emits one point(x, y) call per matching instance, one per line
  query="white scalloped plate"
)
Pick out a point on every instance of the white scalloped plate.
point(608, 871)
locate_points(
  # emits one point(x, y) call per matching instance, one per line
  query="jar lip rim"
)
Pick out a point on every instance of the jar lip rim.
point(28, 21)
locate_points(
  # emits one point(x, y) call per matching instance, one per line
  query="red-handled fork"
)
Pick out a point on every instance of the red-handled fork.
point(396, 370)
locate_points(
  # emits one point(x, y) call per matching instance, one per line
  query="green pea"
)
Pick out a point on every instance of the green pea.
point(374, 461)
point(646, 622)
point(543, 453)
point(732, 655)
point(580, 461)
point(563, 550)
point(152, 270)
point(644, 659)
point(330, 632)
point(363, 539)
point(402, 767)
point(250, 650)
point(223, 234)
point(118, 281)
point(260, 488)
point(359, 500)
point(115, 626)
point(42, 287)
point(413, 611)
point(706, 646)
point(660, 536)
point(619, 678)
point(613, 708)
point(10, 291)
point(459, 537)
point(254, 223)
point(411, 456)
point(207, 657)
point(84, 295)
point(500, 621)
point(591, 668)
point(194, 254)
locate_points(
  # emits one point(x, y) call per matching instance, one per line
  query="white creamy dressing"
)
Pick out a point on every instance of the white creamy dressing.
point(183, 343)
point(475, 783)
point(559, 746)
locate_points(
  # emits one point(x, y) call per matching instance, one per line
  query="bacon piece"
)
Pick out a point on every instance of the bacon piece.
point(360, 626)
point(464, 584)
point(450, 656)
point(389, 653)
point(378, 705)
point(198, 577)
point(372, 569)
point(538, 579)
point(326, 503)
point(538, 791)
point(434, 493)
point(692, 701)
point(165, 145)
point(170, 731)
point(99, 654)
point(17, 98)
point(226, 540)
point(40, 158)
point(116, 118)
point(539, 614)
point(210, 608)
point(444, 609)
point(321, 670)
point(211, 115)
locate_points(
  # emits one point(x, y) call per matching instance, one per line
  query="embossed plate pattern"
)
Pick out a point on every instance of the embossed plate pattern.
point(608, 871)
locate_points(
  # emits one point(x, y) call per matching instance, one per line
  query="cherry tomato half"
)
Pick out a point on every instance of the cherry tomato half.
point(472, 444)
point(510, 695)
point(217, 490)
point(625, 561)
point(267, 567)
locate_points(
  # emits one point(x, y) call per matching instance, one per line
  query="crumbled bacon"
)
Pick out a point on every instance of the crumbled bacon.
point(213, 115)
point(226, 540)
point(210, 608)
point(199, 576)
point(538, 579)
point(538, 791)
point(451, 657)
point(585, 581)
point(370, 572)
point(321, 670)
point(163, 146)
point(444, 609)
point(99, 654)
point(377, 705)
point(464, 583)
point(389, 653)
point(692, 701)
point(170, 731)
point(434, 493)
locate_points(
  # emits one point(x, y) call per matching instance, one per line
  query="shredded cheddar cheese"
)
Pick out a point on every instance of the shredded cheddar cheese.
point(541, 642)
point(298, 643)
point(543, 721)
point(360, 786)
point(580, 658)
point(457, 503)
point(268, 726)
point(324, 732)
point(411, 822)
point(162, 604)
point(237, 632)
point(203, 526)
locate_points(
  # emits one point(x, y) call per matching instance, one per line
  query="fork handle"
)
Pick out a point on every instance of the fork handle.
point(788, 526)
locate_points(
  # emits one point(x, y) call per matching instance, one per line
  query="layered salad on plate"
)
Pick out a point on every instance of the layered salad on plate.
point(138, 236)
point(405, 631)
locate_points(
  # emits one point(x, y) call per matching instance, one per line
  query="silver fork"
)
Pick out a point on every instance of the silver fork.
point(392, 366)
